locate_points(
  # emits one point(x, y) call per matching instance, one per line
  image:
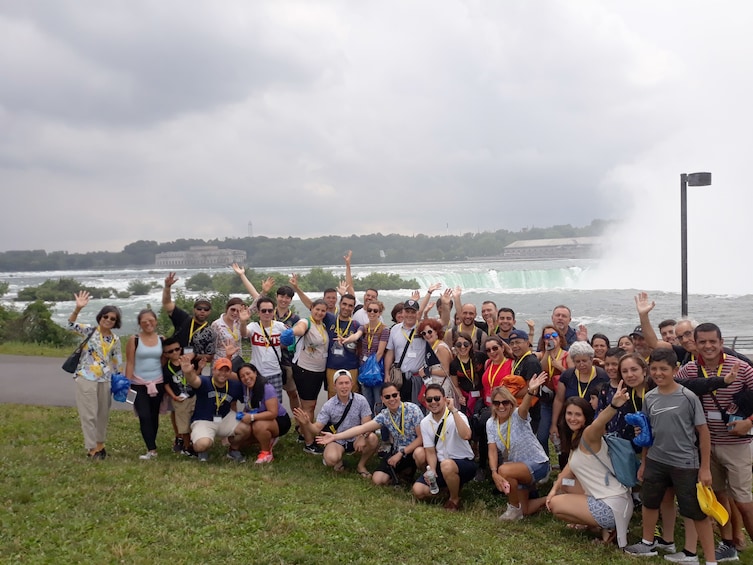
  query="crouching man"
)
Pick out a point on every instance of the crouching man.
point(445, 434)
point(342, 412)
point(214, 415)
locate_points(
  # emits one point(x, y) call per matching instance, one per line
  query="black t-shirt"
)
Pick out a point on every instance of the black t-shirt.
point(468, 375)
point(173, 377)
point(190, 333)
point(290, 320)
point(527, 367)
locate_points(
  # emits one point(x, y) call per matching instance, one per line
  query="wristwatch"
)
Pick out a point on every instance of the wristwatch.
point(402, 452)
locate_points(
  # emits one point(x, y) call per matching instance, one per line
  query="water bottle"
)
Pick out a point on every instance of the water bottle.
point(431, 478)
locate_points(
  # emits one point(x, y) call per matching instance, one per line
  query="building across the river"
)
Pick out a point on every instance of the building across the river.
point(200, 256)
point(561, 248)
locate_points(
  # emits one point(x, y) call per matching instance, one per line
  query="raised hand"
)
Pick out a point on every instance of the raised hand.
point(621, 396)
point(231, 348)
point(415, 295)
point(82, 299)
point(293, 280)
point(171, 279)
point(582, 333)
point(642, 304)
point(531, 326)
point(244, 314)
point(240, 271)
point(446, 296)
point(457, 292)
point(185, 364)
point(730, 377)
point(267, 284)
point(342, 288)
point(434, 287)
point(348, 256)
point(537, 381)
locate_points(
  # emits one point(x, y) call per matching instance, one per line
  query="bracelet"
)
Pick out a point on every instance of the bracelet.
point(613, 407)
point(531, 393)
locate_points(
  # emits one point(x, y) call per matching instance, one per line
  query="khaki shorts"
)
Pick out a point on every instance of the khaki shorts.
point(289, 384)
point(731, 471)
point(212, 430)
point(183, 412)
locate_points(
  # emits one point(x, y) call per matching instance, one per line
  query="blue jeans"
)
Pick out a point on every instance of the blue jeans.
point(542, 434)
point(374, 395)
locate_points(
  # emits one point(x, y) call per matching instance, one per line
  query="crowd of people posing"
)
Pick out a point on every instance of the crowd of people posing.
point(446, 399)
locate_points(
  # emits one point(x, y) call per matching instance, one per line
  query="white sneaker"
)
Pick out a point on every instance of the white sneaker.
point(512, 513)
point(680, 557)
point(148, 455)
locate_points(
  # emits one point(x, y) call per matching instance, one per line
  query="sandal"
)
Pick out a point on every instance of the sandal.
point(365, 474)
point(578, 527)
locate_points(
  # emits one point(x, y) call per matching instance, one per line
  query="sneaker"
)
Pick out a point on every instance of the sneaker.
point(725, 552)
point(680, 557)
point(178, 445)
point(301, 439)
point(236, 456)
point(265, 457)
point(314, 449)
point(668, 546)
point(641, 549)
point(203, 457)
point(189, 452)
point(99, 455)
point(148, 455)
point(512, 513)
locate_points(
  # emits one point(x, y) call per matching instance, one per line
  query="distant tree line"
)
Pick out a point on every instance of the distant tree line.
point(293, 251)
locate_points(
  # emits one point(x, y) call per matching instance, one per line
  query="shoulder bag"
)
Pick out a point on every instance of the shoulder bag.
point(71, 364)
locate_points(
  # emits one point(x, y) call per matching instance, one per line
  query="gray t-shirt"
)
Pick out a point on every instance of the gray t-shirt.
point(333, 410)
point(673, 419)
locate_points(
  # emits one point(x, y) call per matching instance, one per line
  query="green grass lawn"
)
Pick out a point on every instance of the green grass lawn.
point(59, 507)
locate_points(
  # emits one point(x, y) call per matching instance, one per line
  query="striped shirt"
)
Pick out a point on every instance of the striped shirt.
point(720, 434)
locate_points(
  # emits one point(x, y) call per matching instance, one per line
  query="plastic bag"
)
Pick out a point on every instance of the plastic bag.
point(119, 386)
point(371, 372)
point(639, 420)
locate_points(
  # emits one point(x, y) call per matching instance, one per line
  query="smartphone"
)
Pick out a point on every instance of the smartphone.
point(131, 396)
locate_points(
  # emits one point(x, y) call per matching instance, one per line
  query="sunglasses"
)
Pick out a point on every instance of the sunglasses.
point(502, 402)
point(373, 310)
point(393, 395)
point(551, 335)
point(267, 310)
point(492, 348)
point(427, 332)
point(430, 399)
point(462, 344)
point(110, 318)
point(173, 350)
point(203, 308)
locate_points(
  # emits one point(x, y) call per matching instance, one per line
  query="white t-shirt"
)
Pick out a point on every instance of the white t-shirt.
point(449, 444)
point(265, 349)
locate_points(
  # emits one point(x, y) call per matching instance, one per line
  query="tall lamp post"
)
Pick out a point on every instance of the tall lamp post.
point(686, 180)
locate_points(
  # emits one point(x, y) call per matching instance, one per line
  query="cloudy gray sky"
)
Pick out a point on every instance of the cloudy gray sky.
point(160, 120)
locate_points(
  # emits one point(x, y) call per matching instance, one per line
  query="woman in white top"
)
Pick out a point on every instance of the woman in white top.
point(230, 328)
point(590, 501)
point(310, 358)
point(144, 370)
point(437, 359)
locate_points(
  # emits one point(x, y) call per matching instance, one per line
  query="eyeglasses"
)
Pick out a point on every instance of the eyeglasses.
point(687, 335)
point(462, 344)
point(373, 310)
point(502, 402)
point(203, 308)
point(551, 335)
point(110, 318)
point(267, 310)
point(393, 395)
point(173, 350)
point(430, 399)
point(492, 348)
point(427, 332)
point(233, 309)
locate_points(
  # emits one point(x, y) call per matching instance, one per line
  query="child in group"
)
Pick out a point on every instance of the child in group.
point(181, 393)
point(676, 416)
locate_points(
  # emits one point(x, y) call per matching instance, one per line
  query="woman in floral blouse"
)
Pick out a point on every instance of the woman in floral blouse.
point(99, 360)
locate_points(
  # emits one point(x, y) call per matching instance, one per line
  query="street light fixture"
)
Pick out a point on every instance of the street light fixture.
point(686, 180)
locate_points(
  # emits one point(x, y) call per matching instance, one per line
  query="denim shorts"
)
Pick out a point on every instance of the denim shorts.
point(538, 471)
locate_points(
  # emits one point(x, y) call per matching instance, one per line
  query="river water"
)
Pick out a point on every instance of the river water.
point(531, 288)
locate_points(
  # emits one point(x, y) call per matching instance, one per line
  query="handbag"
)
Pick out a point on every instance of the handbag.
point(371, 372)
point(71, 364)
point(622, 456)
point(396, 373)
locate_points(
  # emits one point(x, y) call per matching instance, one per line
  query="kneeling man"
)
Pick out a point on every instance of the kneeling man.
point(403, 420)
point(342, 412)
point(445, 434)
point(214, 415)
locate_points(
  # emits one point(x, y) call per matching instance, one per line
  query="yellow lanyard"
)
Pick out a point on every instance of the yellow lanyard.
point(549, 362)
point(340, 332)
point(265, 334)
point(232, 333)
point(370, 334)
point(718, 370)
point(217, 400)
point(191, 331)
point(409, 339)
point(582, 393)
point(182, 376)
point(506, 443)
point(105, 348)
point(491, 378)
point(473, 331)
point(285, 319)
point(401, 428)
point(519, 361)
point(632, 397)
point(321, 330)
point(470, 364)
point(442, 423)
